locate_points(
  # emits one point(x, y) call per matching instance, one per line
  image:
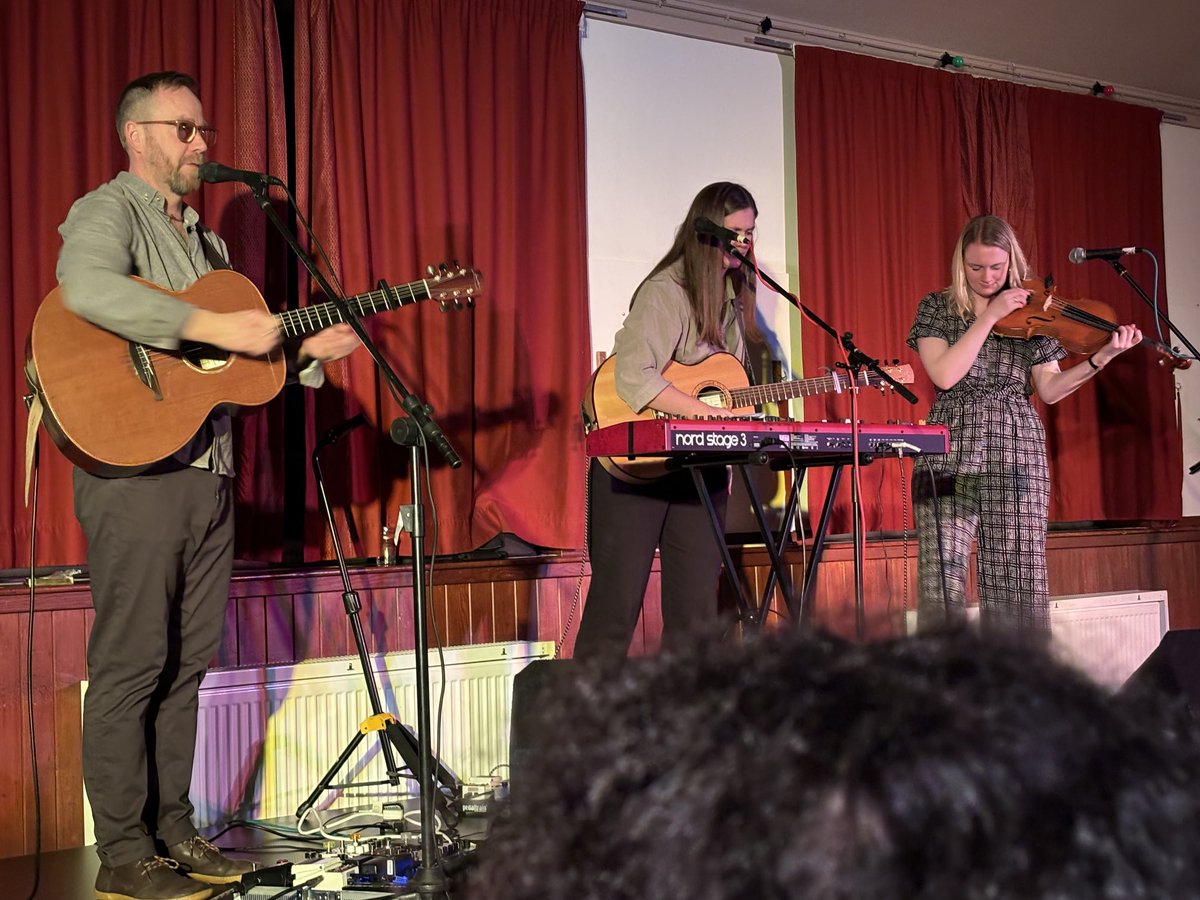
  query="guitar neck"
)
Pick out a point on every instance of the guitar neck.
point(307, 319)
point(787, 390)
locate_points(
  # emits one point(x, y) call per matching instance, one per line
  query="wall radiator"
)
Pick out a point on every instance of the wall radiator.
point(1105, 635)
point(267, 735)
point(1109, 635)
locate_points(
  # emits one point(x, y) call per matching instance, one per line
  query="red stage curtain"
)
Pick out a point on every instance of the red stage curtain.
point(892, 159)
point(1116, 448)
point(431, 131)
point(878, 196)
point(64, 63)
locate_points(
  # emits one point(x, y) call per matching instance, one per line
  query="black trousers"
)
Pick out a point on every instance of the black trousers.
point(626, 523)
point(160, 555)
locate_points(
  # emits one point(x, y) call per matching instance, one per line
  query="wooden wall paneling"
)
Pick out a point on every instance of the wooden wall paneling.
point(477, 611)
point(65, 766)
point(329, 634)
point(551, 611)
point(15, 833)
point(44, 721)
point(279, 630)
point(525, 611)
point(454, 612)
point(379, 619)
point(507, 598)
point(249, 621)
point(227, 650)
point(406, 629)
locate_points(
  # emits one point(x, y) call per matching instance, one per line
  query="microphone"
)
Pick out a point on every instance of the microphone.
point(708, 226)
point(1079, 255)
point(215, 173)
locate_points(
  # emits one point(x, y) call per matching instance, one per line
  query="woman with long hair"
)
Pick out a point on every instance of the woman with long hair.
point(993, 488)
point(697, 301)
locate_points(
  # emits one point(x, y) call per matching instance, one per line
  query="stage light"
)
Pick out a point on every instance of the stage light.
point(1103, 90)
point(948, 60)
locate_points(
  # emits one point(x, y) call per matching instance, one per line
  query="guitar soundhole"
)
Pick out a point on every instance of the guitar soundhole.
point(714, 395)
point(203, 357)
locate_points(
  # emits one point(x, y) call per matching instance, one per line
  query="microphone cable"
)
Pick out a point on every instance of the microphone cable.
point(33, 758)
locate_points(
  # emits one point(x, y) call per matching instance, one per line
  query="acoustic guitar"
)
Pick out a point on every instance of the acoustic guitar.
point(114, 406)
point(721, 382)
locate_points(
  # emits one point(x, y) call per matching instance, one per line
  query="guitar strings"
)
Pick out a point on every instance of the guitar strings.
point(784, 390)
point(309, 318)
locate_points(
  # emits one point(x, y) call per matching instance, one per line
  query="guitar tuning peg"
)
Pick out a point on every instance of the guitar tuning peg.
point(444, 268)
point(454, 264)
point(429, 269)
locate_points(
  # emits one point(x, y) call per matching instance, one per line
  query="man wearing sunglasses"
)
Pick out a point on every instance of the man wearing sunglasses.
point(160, 542)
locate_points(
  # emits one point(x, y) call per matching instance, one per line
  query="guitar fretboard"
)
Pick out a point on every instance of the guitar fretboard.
point(308, 319)
point(756, 395)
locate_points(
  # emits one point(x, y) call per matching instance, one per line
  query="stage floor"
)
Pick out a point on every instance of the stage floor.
point(71, 874)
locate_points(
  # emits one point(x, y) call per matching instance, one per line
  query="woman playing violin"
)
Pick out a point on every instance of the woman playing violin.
point(993, 487)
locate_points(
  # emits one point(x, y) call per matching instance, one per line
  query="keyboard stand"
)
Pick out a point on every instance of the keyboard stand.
point(752, 614)
point(800, 606)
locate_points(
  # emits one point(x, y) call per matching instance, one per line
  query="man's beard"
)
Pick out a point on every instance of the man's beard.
point(180, 182)
point(183, 183)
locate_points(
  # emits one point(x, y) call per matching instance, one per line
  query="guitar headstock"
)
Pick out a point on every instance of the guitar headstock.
point(454, 287)
point(902, 374)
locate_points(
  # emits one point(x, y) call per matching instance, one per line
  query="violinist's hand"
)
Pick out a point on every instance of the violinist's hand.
point(1123, 338)
point(1005, 302)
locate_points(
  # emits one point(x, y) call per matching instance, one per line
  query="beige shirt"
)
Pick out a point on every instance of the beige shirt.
point(660, 329)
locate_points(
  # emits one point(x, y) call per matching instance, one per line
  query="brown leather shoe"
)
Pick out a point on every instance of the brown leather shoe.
point(204, 862)
point(152, 878)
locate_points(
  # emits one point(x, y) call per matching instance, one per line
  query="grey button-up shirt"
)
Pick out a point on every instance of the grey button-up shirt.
point(122, 229)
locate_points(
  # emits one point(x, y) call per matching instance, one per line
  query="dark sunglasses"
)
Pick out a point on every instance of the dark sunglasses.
point(186, 131)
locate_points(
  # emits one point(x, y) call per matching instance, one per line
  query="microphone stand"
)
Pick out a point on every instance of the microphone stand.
point(430, 877)
point(857, 359)
point(1132, 282)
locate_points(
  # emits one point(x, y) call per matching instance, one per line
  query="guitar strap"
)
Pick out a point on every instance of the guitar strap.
point(741, 327)
point(33, 403)
point(211, 253)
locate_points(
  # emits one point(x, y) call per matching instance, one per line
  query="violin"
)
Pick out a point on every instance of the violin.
point(1081, 326)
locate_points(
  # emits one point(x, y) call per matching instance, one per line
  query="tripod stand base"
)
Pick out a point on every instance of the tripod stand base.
point(404, 741)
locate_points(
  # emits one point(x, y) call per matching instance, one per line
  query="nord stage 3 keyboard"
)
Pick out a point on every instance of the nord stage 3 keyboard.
point(672, 437)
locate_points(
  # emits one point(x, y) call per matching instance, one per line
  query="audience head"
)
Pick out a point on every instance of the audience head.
point(941, 766)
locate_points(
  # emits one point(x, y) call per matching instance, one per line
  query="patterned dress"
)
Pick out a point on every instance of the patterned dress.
point(993, 487)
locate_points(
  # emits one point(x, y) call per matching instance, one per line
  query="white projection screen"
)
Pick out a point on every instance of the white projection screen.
point(667, 115)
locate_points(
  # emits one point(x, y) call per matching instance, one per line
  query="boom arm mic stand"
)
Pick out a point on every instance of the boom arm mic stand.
point(1152, 302)
point(430, 878)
